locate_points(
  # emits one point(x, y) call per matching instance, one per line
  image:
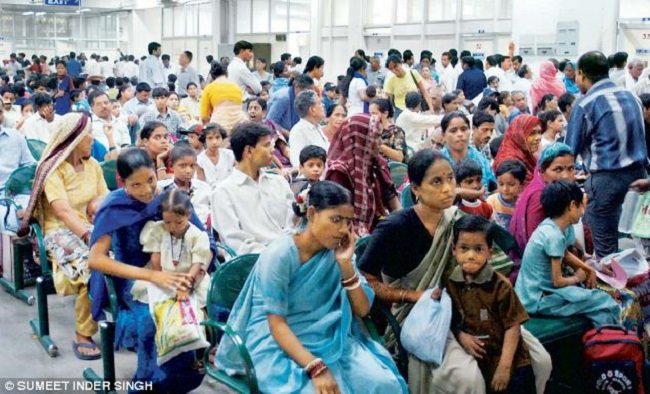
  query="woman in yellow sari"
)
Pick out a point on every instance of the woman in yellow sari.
point(221, 101)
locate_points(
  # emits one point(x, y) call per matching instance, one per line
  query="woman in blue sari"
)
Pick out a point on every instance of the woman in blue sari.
point(570, 78)
point(118, 224)
point(296, 311)
point(64, 85)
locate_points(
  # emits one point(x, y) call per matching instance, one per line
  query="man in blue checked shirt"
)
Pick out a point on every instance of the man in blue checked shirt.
point(606, 130)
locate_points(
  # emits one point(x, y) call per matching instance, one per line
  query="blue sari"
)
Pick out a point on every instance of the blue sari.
point(62, 104)
point(570, 85)
point(123, 218)
point(317, 309)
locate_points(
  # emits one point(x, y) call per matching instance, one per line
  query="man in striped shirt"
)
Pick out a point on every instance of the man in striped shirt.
point(606, 130)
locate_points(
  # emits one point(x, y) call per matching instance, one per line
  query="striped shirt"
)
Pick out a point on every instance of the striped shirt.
point(606, 128)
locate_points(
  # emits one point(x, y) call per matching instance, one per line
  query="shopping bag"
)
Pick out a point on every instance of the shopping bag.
point(641, 227)
point(178, 328)
point(424, 332)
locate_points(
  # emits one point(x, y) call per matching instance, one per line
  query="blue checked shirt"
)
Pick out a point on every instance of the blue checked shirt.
point(606, 128)
point(473, 154)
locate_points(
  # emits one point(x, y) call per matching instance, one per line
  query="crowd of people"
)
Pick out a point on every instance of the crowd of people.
point(277, 162)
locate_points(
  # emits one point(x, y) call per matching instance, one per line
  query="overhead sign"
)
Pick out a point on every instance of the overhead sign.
point(70, 3)
point(643, 52)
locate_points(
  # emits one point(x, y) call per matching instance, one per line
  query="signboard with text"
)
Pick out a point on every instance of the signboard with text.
point(69, 3)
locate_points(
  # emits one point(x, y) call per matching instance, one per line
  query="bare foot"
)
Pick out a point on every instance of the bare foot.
point(84, 350)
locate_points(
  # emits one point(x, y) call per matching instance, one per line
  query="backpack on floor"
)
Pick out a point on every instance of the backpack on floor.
point(613, 361)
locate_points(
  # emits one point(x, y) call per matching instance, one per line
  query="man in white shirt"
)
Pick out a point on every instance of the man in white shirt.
point(415, 124)
point(13, 65)
point(239, 73)
point(11, 112)
point(42, 124)
point(107, 67)
point(130, 69)
point(306, 132)
point(193, 101)
point(634, 71)
point(167, 67)
point(252, 208)
point(151, 70)
point(92, 66)
point(102, 119)
point(448, 76)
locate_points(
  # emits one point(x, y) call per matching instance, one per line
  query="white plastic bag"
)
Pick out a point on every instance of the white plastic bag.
point(178, 328)
point(424, 332)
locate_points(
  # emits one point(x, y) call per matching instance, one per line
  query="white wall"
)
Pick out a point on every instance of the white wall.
point(146, 26)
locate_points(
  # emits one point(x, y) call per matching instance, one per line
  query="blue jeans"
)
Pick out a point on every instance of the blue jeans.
point(606, 192)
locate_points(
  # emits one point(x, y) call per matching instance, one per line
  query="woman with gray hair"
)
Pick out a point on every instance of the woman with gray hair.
point(306, 132)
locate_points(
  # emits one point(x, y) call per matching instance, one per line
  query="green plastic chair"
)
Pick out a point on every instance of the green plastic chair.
point(406, 198)
point(20, 181)
point(110, 174)
point(36, 147)
point(225, 287)
point(398, 172)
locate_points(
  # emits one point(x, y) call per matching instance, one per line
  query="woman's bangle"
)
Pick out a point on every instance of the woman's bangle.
point(402, 296)
point(312, 364)
point(350, 281)
point(162, 168)
point(356, 285)
point(315, 368)
point(318, 371)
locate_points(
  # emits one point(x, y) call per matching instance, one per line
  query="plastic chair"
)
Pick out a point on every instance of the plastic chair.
point(398, 172)
point(36, 147)
point(20, 181)
point(406, 198)
point(110, 174)
point(360, 246)
point(225, 287)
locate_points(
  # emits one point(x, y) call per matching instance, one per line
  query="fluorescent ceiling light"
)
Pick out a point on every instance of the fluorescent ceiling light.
point(83, 10)
point(28, 13)
point(40, 13)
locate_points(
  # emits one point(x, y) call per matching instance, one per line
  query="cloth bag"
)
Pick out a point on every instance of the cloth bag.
point(424, 332)
point(641, 227)
point(178, 328)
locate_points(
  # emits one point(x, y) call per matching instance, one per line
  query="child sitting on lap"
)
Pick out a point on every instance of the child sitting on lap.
point(312, 165)
point(541, 286)
point(511, 175)
point(469, 175)
point(487, 315)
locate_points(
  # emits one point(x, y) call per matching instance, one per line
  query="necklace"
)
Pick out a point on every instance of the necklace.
point(176, 258)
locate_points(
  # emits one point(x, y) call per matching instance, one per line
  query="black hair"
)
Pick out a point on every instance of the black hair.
point(467, 168)
point(393, 59)
point(120, 90)
point(149, 128)
point(95, 94)
point(620, 58)
point(513, 167)
point(180, 151)
point(468, 60)
point(246, 134)
point(371, 91)
point(407, 55)
point(325, 195)
point(446, 120)
point(209, 58)
point(191, 84)
point(210, 127)
point(593, 66)
point(473, 224)
point(447, 54)
point(132, 159)
point(313, 63)
point(426, 54)
point(7, 89)
point(26, 104)
point(175, 200)
point(160, 92)
point(172, 78)
point(645, 100)
point(331, 108)
point(110, 82)
point(495, 144)
point(312, 152)
point(278, 68)
point(61, 62)
point(413, 100)
point(420, 163)
point(217, 69)
point(541, 106)
point(285, 56)
point(165, 57)
point(384, 106)
point(394, 51)
point(142, 87)
point(297, 60)
point(41, 100)
point(481, 117)
point(565, 101)
point(492, 79)
point(173, 93)
point(242, 46)
point(518, 58)
point(548, 116)
point(259, 101)
point(152, 47)
point(523, 70)
point(465, 52)
point(356, 64)
point(302, 82)
point(558, 196)
point(544, 165)
point(449, 98)
point(361, 53)
point(262, 60)
point(492, 60)
point(189, 55)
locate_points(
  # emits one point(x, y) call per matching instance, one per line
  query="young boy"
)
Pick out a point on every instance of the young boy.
point(511, 175)
point(312, 166)
point(487, 315)
point(214, 163)
point(331, 96)
point(470, 176)
point(184, 166)
point(195, 137)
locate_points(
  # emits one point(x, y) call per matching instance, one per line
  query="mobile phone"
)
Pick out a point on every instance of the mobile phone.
point(482, 337)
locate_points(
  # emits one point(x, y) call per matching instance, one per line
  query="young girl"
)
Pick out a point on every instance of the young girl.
point(552, 126)
point(214, 163)
point(541, 285)
point(176, 245)
point(26, 110)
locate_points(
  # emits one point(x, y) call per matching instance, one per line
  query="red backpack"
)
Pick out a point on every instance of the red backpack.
point(613, 360)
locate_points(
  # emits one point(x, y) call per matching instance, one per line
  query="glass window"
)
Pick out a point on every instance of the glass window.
point(279, 15)
point(243, 16)
point(260, 16)
point(326, 13)
point(168, 22)
point(299, 14)
point(409, 11)
point(191, 18)
point(179, 21)
point(378, 12)
point(205, 19)
point(505, 9)
point(442, 10)
point(341, 12)
point(478, 9)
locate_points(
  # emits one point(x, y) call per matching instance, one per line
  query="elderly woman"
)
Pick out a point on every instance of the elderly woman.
point(117, 228)
point(410, 252)
point(335, 115)
point(521, 142)
point(67, 185)
point(570, 78)
point(306, 132)
point(221, 101)
point(354, 163)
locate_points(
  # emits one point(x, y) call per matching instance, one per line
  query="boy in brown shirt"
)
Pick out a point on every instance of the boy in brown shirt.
point(487, 314)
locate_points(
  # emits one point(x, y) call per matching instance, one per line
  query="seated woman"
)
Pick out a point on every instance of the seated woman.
point(118, 225)
point(410, 252)
point(392, 143)
point(67, 180)
point(335, 115)
point(302, 337)
point(353, 163)
point(256, 108)
point(155, 141)
point(221, 100)
point(521, 142)
point(541, 285)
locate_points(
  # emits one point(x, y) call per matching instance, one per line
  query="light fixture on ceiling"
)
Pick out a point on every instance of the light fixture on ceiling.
point(83, 10)
point(28, 13)
point(40, 13)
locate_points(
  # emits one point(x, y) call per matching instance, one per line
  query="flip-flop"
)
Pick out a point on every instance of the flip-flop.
point(85, 357)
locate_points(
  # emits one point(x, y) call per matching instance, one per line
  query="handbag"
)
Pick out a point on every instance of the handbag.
point(641, 226)
point(423, 104)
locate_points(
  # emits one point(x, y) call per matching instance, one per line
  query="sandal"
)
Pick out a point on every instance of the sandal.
point(86, 357)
